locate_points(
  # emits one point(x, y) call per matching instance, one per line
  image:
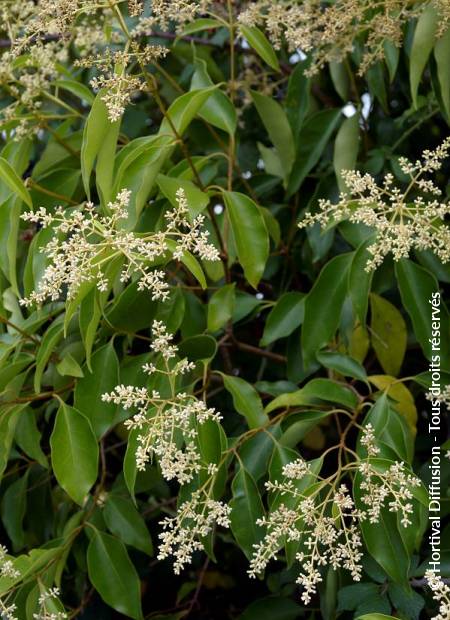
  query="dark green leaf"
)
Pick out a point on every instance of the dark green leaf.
point(74, 453)
point(113, 575)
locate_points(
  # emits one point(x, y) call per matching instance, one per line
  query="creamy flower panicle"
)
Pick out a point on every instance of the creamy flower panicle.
point(161, 422)
point(321, 516)
point(402, 220)
point(85, 242)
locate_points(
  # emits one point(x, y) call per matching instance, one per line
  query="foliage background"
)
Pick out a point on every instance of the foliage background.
point(282, 308)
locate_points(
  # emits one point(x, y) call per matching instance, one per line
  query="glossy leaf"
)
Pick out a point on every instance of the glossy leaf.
point(360, 281)
point(221, 307)
point(250, 235)
point(246, 400)
point(261, 45)
point(323, 306)
point(98, 137)
point(287, 314)
point(314, 392)
point(10, 178)
point(277, 125)
point(102, 379)
point(422, 46)
point(74, 452)
point(418, 287)
point(342, 364)
point(246, 509)
point(313, 138)
point(196, 199)
point(218, 110)
point(346, 148)
point(113, 575)
point(125, 522)
point(442, 54)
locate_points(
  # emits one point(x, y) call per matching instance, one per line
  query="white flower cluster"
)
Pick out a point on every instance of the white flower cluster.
point(119, 86)
point(161, 419)
point(6, 565)
point(441, 593)
point(394, 484)
point(46, 600)
point(443, 397)
point(84, 243)
point(322, 519)
point(195, 519)
point(328, 31)
point(368, 440)
point(7, 569)
point(403, 220)
point(168, 429)
point(178, 12)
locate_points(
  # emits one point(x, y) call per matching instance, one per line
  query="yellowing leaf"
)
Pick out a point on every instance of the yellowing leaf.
point(400, 393)
point(388, 331)
point(359, 343)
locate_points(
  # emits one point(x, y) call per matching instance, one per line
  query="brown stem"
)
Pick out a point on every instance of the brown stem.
point(18, 329)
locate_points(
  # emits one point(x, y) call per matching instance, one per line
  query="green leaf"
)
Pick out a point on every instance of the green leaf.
point(13, 509)
point(287, 314)
point(261, 45)
point(218, 110)
point(103, 378)
point(183, 110)
point(271, 608)
point(9, 237)
point(442, 54)
point(404, 400)
point(69, 367)
point(76, 88)
point(299, 425)
point(342, 364)
point(422, 45)
point(375, 617)
point(417, 287)
point(126, 523)
point(221, 307)
point(8, 421)
point(89, 317)
point(277, 125)
point(246, 400)
point(388, 331)
point(47, 347)
point(11, 179)
point(196, 199)
point(201, 348)
point(99, 138)
point(323, 306)
point(298, 97)
point(129, 461)
point(383, 540)
point(74, 452)
point(346, 148)
point(132, 310)
point(113, 575)
point(391, 56)
point(250, 235)
point(360, 281)
point(246, 508)
point(203, 23)
point(313, 139)
point(28, 436)
point(341, 79)
point(315, 391)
